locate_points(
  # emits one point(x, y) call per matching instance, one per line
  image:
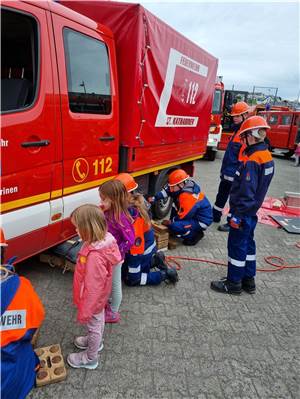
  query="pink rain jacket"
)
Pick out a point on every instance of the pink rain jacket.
point(93, 276)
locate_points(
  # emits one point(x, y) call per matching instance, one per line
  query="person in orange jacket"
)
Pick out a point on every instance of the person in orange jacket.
point(22, 313)
point(143, 257)
point(230, 163)
point(191, 212)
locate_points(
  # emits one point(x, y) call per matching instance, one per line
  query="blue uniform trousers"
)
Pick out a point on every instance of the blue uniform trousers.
point(221, 199)
point(186, 228)
point(136, 269)
point(242, 250)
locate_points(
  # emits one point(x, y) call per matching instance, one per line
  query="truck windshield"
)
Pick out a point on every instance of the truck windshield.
point(88, 74)
point(216, 108)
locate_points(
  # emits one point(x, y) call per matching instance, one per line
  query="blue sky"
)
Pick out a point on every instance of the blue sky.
point(257, 42)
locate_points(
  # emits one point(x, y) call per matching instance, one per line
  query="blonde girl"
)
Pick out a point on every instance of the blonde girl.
point(92, 281)
point(114, 202)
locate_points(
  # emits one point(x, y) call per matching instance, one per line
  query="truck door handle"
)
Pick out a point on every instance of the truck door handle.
point(107, 138)
point(42, 143)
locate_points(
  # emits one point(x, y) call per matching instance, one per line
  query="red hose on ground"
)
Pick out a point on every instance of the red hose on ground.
point(277, 266)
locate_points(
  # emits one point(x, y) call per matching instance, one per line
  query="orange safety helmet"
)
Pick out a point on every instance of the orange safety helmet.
point(253, 124)
point(239, 108)
point(3, 242)
point(177, 176)
point(128, 181)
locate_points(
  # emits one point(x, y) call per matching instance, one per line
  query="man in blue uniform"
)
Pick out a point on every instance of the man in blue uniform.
point(230, 162)
point(191, 213)
point(248, 191)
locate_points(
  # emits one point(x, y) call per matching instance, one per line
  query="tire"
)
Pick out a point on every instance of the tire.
point(161, 208)
point(211, 155)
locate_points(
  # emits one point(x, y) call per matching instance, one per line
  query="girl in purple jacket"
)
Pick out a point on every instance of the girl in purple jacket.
point(92, 282)
point(114, 203)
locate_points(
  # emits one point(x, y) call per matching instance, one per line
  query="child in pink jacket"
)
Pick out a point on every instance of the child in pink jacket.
point(92, 281)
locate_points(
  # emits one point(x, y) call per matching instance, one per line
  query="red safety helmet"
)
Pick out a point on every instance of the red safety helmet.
point(177, 176)
point(252, 126)
point(239, 108)
point(128, 181)
point(3, 242)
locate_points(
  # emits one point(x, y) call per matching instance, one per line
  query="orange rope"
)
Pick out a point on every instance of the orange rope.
point(277, 266)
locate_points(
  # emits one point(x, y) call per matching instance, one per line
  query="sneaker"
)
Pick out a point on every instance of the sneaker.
point(224, 227)
point(226, 287)
point(111, 317)
point(248, 285)
point(193, 241)
point(80, 360)
point(81, 343)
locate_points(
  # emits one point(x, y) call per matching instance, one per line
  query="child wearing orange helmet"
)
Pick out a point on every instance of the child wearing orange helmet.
point(191, 212)
point(239, 113)
point(247, 194)
point(143, 255)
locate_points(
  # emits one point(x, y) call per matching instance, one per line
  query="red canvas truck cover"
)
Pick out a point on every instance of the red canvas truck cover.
point(166, 85)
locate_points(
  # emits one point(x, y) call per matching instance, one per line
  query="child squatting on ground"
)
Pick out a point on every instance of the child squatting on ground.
point(143, 255)
point(191, 212)
point(92, 281)
point(114, 203)
point(22, 313)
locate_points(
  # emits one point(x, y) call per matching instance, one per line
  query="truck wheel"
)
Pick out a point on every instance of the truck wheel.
point(161, 208)
point(211, 155)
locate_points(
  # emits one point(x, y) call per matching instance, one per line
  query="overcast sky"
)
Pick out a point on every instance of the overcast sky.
point(257, 42)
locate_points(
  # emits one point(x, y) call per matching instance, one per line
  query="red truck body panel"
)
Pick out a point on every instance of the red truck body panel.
point(285, 128)
point(166, 84)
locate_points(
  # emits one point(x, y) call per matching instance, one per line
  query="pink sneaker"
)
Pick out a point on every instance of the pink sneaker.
point(80, 360)
point(110, 316)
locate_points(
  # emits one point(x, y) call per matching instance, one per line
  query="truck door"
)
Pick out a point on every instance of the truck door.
point(280, 124)
point(28, 139)
point(89, 111)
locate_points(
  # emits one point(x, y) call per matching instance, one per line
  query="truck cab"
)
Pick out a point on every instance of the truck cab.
point(215, 130)
point(285, 130)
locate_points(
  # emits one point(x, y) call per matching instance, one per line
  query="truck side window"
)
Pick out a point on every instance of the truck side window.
point(273, 120)
point(286, 119)
point(19, 60)
point(217, 102)
point(88, 74)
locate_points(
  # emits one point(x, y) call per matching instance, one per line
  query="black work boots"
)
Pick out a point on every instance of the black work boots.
point(194, 240)
point(226, 287)
point(248, 285)
point(229, 287)
point(169, 274)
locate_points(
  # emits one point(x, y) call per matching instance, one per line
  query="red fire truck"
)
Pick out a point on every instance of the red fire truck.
point(285, 130)
point(89, 89)
point(215, 130)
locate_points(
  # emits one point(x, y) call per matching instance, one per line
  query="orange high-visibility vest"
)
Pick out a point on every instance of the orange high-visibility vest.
point(23, 313)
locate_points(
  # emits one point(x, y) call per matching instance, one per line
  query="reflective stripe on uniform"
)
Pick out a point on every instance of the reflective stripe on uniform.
point(134, 270)
point(235, 262)
point(203, 225)
point(143, 279)
point(251, 257)
point(218, 208)
point(229, 178)
point(268, 171)
point(150, 249)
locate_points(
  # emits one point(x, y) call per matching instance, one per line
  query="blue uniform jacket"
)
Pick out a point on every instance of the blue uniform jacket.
point(230, 161)
point(194, 205)
point(251, 181)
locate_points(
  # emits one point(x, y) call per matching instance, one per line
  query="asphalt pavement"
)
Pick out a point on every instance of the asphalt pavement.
point(186, 341)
